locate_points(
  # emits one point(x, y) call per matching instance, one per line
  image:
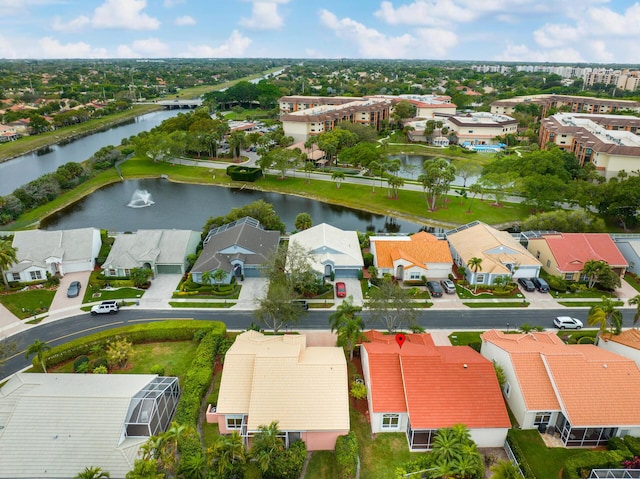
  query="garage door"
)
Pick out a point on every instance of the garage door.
point(346, 273)
point(169, 269)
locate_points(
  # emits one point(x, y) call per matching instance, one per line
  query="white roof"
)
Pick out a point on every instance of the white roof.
point(328, 244)
point(154, 246)
point(277, 378)
point(34, 247)
point(55, 425)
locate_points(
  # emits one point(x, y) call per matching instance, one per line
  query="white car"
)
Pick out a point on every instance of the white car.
point(566, 322)
point(106, 307)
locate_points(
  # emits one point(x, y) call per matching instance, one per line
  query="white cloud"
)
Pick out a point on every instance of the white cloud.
point(423, 12)
point(172, 3)
point(125, 51)
point(151, 47)
point(73, 25)
point(7, 48)
point(556, 35)
point(436, 42)
point(522, 53)
point(264, 15)
point(52, 48)
point(120, 14)
point(185, 20)
point(234, 46)
point(370, 42)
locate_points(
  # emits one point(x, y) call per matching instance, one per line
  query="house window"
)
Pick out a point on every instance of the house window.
point(568, 276)
point(584, 277)
point(15, 276)
point(234, 422)
point(390, 421)
point(35, 275)
point(542, 418)
point(507, 389)
point(537, 254)
point(414, 275)
point(548, 263)
point(480, 278)
point(111, 272)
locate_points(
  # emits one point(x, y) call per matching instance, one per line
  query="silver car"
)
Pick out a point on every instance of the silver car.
point(567, 322)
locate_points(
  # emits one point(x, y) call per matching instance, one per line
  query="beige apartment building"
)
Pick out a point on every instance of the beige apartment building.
point(575, 104)
point(610, 142)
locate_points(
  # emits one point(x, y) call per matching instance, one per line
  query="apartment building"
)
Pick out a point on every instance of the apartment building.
point(610, 142)
point(576, 104)
point(481, 128)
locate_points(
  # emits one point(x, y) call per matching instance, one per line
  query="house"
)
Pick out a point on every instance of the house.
point(630, 250)
point(55, 425)
point(280, 378)
point(501, 254)
point(412, 257)
point(331, 250)
point(162, 251)
point(626, 344)
point(419, 388)
point(564, 254)
point(239, 249)
point(55, 252)
point(584, 393)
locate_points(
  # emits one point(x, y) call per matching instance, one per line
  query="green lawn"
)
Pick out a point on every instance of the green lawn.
point(575, 336)
point(464, 338)
point(105, 294)
point(587, 304)
point(633, 280)
point(586, 293)
point(505, 304)
point(379, 457)
point(256, 113)
point(320, 305)
point(545, 462)
point(24, 304)
point(322, 466)
point(199, 304)
point(175, 356)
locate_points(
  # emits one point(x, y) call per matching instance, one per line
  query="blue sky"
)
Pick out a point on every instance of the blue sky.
point(564, 31)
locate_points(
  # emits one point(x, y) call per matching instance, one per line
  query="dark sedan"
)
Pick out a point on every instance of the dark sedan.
point(73, 290)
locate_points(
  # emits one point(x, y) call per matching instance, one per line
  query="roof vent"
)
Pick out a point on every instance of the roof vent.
point(604, 366)
point(464, 366)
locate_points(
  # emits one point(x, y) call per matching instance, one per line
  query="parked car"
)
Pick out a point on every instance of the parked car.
point(448, 286)
point(74, 289)
point(434, 289)
point(527, 284)
point(301, 303)
point(567, 322)
point(341, 290)
point(105, 307)
point(540, 284)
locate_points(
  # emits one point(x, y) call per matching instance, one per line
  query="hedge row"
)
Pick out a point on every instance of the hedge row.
point(520, 457)
point(243, 173)
point(139, 333)
point(347, 456)
point(580, 466)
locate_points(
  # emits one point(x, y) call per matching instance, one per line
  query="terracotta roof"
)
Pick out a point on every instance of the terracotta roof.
point(572, 250)
point(419, 249)
point(629, 338)
point(439, 386)
point(583, 378)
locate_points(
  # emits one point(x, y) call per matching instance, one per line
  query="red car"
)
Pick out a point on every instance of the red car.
point(341, 290)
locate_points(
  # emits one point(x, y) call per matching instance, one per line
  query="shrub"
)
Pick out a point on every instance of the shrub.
point(557, 284)
point(368, 259)
point(100, 362)
point(347, 456)
point(81, 364)
point(243, 173)
point(287, 464)
point(157, 369)
point(475, 345)
point(360, 274)
point(580, 466)
point(101, 370)
point(633, 444)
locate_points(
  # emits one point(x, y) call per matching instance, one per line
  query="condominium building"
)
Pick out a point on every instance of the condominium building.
point(576, 104)
point(610, 142)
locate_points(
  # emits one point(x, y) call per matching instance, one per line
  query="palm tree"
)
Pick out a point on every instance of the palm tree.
point(205, 277)
point(592, 270)
point(93, 473)
point(348, 325)
point(475, 189)
point(338, 177)
point(373, 166)
point(229, 453)
point(167, 452)
point(8, 256)
point(219, 275)
point(395, 183)
point(38, 348)
point(308, 168)
point(266, 444)
point(605, 314)
point(475, 265)
point(195, 466)
point(505, 470)
point(636, 300)
point(446, 446)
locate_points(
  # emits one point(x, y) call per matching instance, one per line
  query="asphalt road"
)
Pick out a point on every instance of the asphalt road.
point(64, 330)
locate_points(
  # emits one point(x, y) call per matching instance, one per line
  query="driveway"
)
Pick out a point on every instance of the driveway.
point(353, 289)
point(159, 293)
point(60, 300)
point(252, 290)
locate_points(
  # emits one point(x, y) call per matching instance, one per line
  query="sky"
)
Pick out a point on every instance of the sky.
point(561, 31)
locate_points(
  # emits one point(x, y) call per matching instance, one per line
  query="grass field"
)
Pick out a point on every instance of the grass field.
point(199, 304)
point(28, 303)
point(546, 462)
point(505, 304)
point(322, 466)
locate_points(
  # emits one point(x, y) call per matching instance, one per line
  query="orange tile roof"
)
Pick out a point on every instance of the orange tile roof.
point(572, 250)
point(439, 386)
point(629, 338)
point(422, 248)
point(592, 386)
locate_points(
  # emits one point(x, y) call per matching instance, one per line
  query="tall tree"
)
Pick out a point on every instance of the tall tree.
point(599, 272)
point(229, 455)
point(436, 179)
point(92, 473)
point(475, 265)
point(391, 306)
point(266, 445)
point(8, 256)
point(303, 221)
point(348, 324)
point(606, 316)
point(338, 177)
point(635, 301)
point(38, 348)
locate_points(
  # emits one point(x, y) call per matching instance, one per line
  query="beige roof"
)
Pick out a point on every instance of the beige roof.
point(495, 248)
point(277, 378)
point(54, 425)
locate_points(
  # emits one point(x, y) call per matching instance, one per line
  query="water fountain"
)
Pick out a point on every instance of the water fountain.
point(140, 199)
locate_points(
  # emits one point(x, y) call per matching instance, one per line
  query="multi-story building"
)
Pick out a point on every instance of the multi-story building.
point(303, 117)
point(610, 142)
point(576, 104)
